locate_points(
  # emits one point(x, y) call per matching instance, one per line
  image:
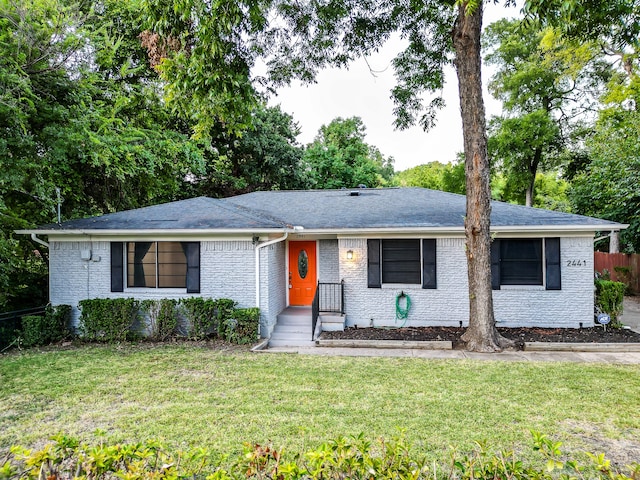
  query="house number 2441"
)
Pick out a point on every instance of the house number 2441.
point(576, 263)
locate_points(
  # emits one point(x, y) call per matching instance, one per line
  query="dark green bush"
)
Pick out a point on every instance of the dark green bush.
point(609, 298)
point(241, 326)
point(32, 330)
point(9, 333)
point(51, 327)
point(627, 276)
point(162, 318)
point(343, 458)
point(108, 319)
point(201, 316)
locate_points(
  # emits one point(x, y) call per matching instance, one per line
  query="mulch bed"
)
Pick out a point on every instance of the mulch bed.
point(519, 335)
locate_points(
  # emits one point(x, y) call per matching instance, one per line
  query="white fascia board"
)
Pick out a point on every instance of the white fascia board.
point(182, 233)
point(558, 229)
point(532, 230)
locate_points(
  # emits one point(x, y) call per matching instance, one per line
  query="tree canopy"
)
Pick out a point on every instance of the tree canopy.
point(340, 158)
point(547, 84)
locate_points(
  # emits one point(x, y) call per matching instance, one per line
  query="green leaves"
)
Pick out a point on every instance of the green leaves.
point(608, 186)
point(340, 158)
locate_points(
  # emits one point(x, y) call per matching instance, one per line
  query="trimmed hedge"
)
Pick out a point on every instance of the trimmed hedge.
point(51, 327)
point(197, 318)
point(352, 458)
point(162, 318)
point(609, 298)
point(241, 326)
point(108, 319)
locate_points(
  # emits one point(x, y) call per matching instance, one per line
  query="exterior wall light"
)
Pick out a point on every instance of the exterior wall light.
point(349, 254)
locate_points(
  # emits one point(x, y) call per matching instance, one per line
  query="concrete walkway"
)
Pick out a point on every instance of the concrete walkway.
point(576, 357)
point(630, 317)
point(631, 313)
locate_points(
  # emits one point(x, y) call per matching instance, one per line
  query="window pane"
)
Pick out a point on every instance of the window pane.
point(141, 264)
point(401, 261)
point(172, 265)
point(521, 262)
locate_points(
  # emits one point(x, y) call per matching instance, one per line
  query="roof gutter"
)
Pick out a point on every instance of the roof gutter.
point(605, 236)
point(259, 247)
point(39, 240)
point(148, 231)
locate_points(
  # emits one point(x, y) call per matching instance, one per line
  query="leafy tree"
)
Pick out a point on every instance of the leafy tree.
point(266, 156)
point(340, 158)
point(605, 172)
point(211, 48)
point(551, 191)
point(608, 187)
point(80, 112)
point(448, 177)
point(519, 146)
point(545, 82)
point(217, 44)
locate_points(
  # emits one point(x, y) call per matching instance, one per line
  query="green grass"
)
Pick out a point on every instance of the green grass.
point(191, 396)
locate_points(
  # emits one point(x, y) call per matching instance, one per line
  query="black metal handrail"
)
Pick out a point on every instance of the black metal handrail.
point(11, 325)
point(20, 313)
point(331, 297)
point(315, 312)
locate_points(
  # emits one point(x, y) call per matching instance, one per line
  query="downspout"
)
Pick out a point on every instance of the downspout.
point(604, 236)
point(257, 262)
point(257, 252)
point(38, 240)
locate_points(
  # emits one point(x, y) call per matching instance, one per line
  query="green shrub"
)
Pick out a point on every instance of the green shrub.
point(224, 310)
point(353, 458)
point(201, 316)
point(9, 333)
point(626, 276)
point(32, 330)
point(162, 317)
point(108, 319)
point(241, 326)
point(48, 328)
point(609, 298)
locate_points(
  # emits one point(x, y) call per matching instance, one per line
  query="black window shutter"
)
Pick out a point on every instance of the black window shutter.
point(495, 264)
point(192, 252)
point(429, 263)
point(552, 253)
point(117, 266)
point(374, 274)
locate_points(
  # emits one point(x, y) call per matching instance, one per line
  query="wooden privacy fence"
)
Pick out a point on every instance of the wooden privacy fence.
point(610, 261)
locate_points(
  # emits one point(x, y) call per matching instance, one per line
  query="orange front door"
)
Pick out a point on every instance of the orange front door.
point(302, 272)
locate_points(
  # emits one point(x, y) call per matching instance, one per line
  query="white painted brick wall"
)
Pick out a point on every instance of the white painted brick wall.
point(226, 271)
point(553, 308)
point(328, 261)
point(273, 286)
point(448, 305)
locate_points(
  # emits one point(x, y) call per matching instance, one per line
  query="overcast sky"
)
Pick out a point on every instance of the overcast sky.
point(357, 92)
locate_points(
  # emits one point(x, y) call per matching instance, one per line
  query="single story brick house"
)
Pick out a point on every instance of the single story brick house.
point(272, 249)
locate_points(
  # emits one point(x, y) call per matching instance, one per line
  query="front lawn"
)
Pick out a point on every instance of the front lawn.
point(191, 396)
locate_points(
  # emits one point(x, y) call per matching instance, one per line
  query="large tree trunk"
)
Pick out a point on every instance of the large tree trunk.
point(481, 335)
point(533, 170)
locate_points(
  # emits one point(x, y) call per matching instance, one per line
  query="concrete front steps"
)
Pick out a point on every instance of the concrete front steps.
point(293, 328)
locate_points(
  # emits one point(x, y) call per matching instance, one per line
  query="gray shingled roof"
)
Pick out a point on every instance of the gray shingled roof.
point(201, 213)
point(390, 208)
point(394, 208)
